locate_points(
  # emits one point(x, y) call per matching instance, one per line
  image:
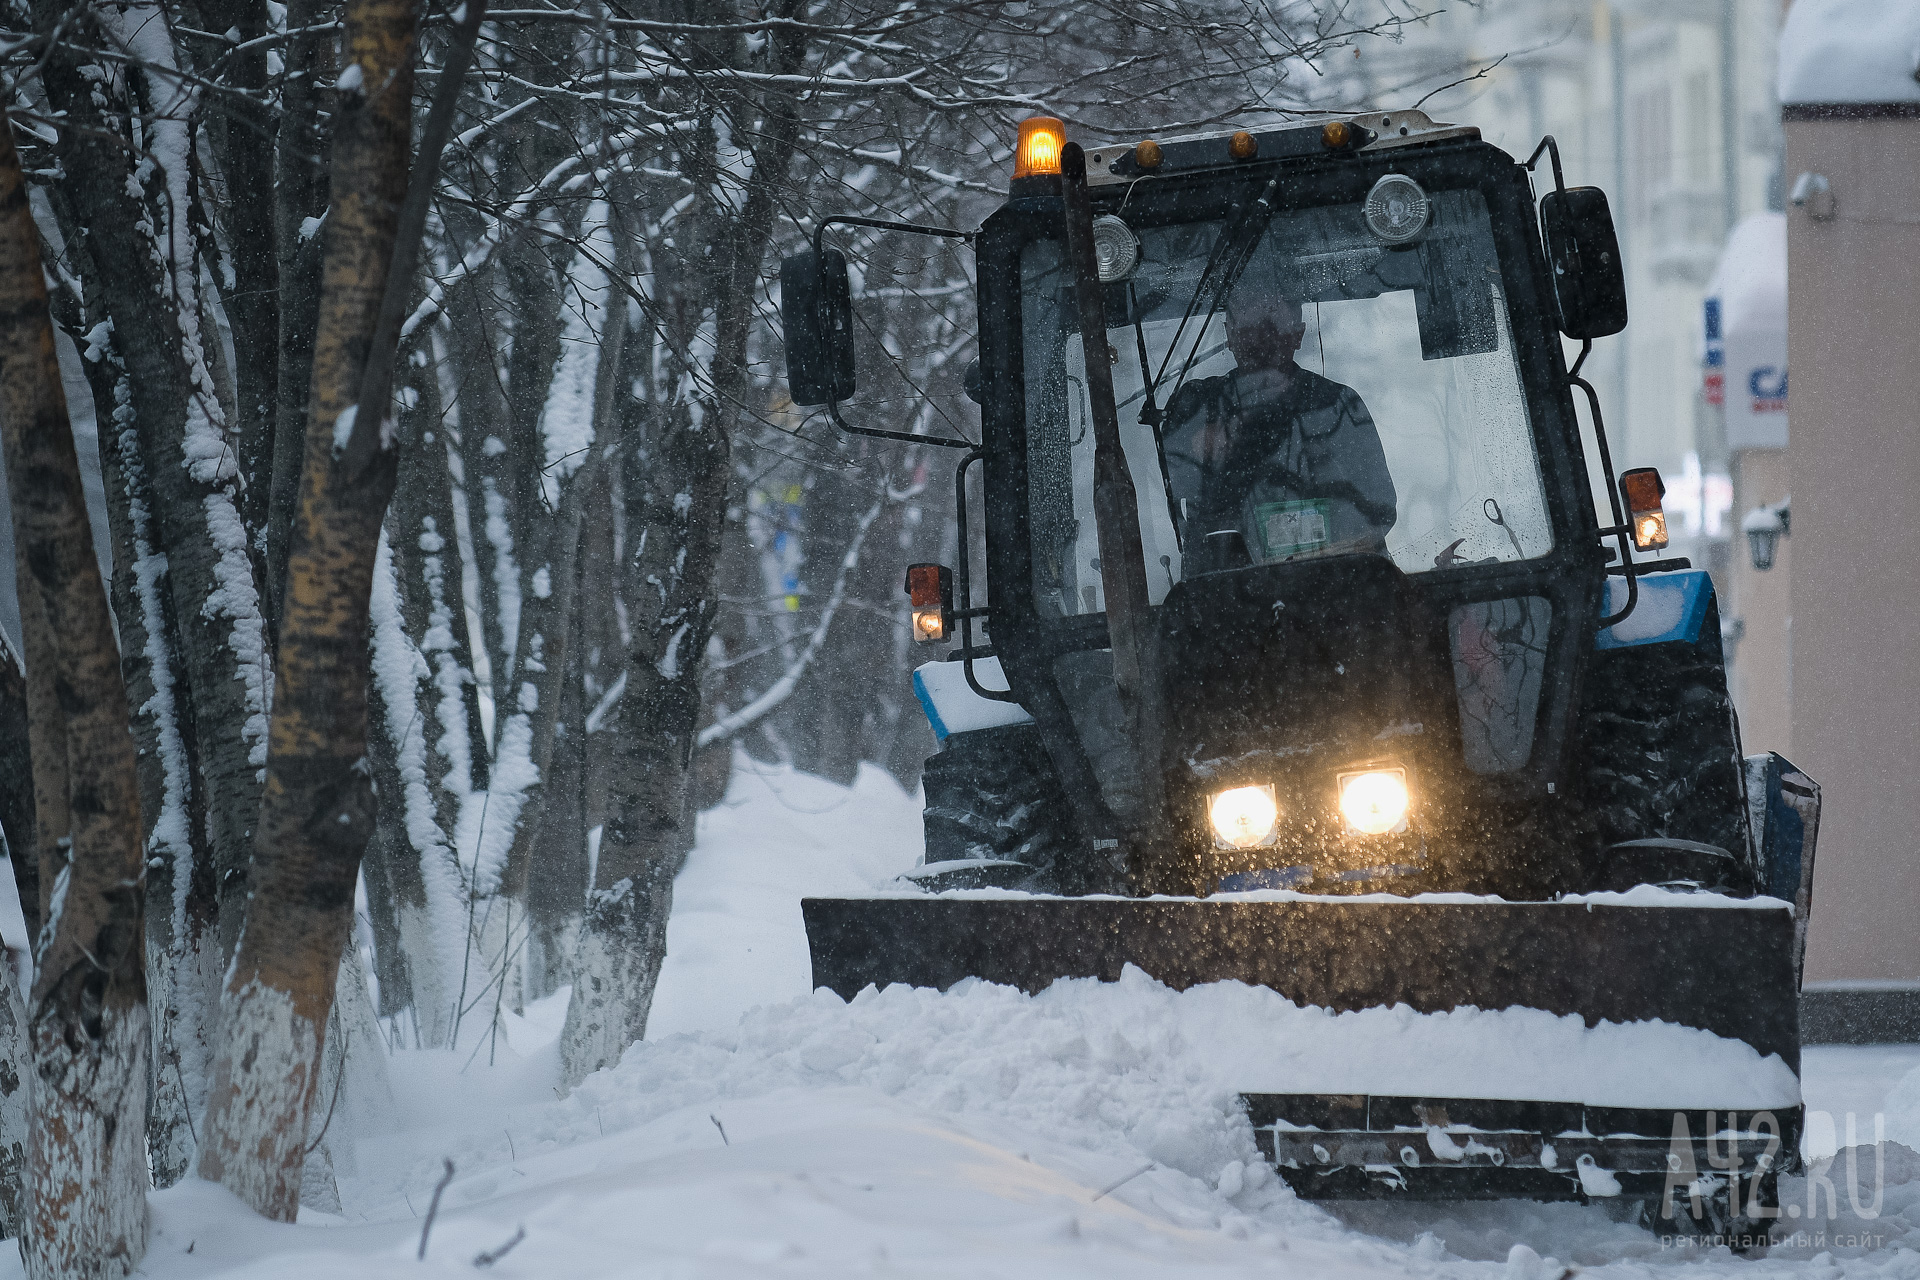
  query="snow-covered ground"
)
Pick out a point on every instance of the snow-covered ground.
point(764, 1130)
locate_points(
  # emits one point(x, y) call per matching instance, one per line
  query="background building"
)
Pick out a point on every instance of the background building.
point(1801, 225)
point(1852, 113)
point(1670, 106)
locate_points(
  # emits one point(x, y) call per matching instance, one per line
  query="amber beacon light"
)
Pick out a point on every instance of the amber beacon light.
point(1037, 154)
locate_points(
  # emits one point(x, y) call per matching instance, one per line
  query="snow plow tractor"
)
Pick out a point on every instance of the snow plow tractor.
point(1323, 649)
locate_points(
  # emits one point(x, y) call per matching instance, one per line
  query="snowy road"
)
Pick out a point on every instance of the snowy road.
point(766, 1131)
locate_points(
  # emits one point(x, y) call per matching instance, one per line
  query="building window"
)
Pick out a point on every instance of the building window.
point(1650, 127)
point(1700, 129)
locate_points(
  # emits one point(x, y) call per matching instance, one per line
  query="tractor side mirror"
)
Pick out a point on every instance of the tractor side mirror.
point(1584, 255)
point(816, 313)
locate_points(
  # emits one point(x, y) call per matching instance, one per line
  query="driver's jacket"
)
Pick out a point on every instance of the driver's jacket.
point(1291, 460)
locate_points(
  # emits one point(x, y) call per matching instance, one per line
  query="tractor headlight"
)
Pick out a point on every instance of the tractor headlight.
point(1374, 802)
point(1244, 817)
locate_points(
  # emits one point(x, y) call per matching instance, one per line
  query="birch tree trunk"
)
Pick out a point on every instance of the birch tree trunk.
point(676, 498)
point(242, 136)
point(553, 553)
point(182, 963)
point(16, 1119)
point(557, 865)
point(301, 150)
point(16, 834)
point(194, 657)
point(475, 343)
point(424, 750)
point(87, 1173)
point(318, 810)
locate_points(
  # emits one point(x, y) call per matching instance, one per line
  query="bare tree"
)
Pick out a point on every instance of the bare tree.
point(318, 809)
point(590, 425)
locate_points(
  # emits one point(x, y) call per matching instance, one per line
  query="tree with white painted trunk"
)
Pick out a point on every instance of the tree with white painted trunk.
point(317, 813)
point(184, 583)
point(86, 1208)
point(589, 423)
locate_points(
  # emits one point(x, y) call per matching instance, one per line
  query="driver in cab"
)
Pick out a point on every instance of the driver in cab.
point(1289, 460)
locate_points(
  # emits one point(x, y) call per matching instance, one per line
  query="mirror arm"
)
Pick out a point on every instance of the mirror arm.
point(1552, 148)
point(966, 613)
point(1621, 529)
point(915, 228)
point(833, 411)
point(1586, 347)
point(883, 224)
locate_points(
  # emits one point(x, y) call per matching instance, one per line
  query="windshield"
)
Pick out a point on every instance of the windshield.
point(1318, 393)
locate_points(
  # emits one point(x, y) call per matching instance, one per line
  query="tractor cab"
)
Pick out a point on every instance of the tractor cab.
point(1360, 486)
point(1373, 566)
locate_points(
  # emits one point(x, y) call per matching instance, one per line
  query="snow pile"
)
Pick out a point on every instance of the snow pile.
point(1087, 1132)
point(1861, 1201)
point(1162, 1070)
point(1850, 51)
point(736, 939)
point(1902, 1108)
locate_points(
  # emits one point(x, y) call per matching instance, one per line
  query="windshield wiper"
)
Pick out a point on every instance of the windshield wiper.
point(1205, 355)
point(1231, 253)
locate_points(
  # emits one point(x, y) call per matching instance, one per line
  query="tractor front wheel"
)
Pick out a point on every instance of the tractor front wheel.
point(992, 798)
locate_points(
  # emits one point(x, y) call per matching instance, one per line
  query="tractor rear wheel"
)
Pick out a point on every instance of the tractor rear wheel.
point(1660, 761)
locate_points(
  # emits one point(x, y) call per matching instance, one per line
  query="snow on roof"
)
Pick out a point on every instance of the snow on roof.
point(1850, 51)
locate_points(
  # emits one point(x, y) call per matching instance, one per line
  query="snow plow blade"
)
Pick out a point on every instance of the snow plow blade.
point(1727, 969)
point(1355, 1147)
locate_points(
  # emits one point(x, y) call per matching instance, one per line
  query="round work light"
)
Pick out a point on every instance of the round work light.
point(1115, 248)
point(1397, 209)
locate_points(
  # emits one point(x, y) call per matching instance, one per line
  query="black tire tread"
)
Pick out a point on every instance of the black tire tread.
point(993, 793)
point(1660, 746)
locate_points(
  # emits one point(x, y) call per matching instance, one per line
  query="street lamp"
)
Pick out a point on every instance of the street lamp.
point(1764, 527)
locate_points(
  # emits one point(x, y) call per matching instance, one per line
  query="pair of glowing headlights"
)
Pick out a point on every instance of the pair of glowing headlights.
point(1373, 801)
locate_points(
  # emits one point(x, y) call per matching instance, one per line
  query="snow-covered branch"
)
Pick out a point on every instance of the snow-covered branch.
point(778, 692)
